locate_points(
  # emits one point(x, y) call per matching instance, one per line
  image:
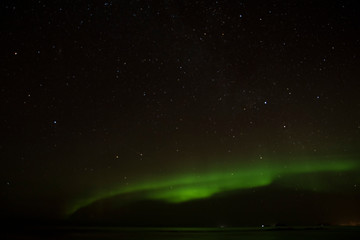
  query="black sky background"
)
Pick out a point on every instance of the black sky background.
point(97, 92)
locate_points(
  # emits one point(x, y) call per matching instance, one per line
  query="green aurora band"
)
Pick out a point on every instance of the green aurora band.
point(185, 187)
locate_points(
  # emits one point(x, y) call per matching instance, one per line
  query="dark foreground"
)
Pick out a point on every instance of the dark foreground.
point(327, 233)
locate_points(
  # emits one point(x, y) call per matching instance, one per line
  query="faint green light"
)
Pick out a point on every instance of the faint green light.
point(182, 187)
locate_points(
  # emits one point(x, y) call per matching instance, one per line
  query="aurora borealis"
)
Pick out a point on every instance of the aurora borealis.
point(187, 187)
point(180, 113)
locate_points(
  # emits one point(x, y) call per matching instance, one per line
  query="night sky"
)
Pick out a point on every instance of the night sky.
point(180, 112)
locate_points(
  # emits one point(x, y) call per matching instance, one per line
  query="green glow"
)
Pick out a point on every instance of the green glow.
point(183, 187)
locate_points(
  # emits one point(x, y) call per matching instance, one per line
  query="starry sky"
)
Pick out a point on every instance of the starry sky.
point(140, 105)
